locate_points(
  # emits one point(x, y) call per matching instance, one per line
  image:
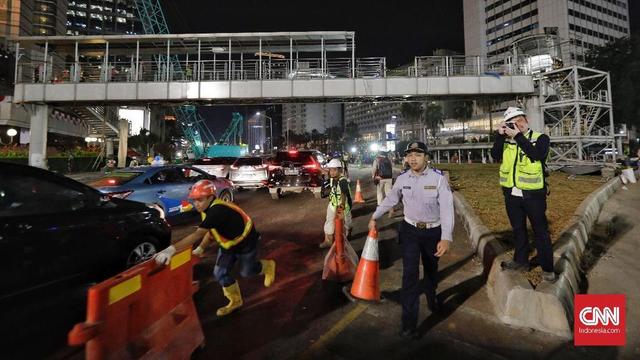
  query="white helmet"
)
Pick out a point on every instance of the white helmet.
point(334, 164)
point(512, 112)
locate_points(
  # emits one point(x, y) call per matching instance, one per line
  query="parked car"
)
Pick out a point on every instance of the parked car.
point(57, 237)
point(217, 166)
point(296, 171)
point(166, 186)
point(249, 173)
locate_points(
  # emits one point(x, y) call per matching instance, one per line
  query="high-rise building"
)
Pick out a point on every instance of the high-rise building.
point(301, 118)
point(102, 17)
point(49, 17)
point(16, 18)
point(491, 26)
point(372, 118)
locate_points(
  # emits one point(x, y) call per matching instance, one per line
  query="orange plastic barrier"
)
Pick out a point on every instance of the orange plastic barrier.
point(145, 312)
point(340, 262)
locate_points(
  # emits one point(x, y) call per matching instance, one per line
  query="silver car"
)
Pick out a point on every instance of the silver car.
point(217, 166)
point(249, 173)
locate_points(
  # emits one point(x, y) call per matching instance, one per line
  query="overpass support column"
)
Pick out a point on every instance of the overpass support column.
point(38, 136)
point(123, 131)
point(109, 143)
point(534, 114)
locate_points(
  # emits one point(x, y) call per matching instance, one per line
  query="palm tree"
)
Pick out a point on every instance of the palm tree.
point(433, 117)
point(463, 111)
point(412, 112)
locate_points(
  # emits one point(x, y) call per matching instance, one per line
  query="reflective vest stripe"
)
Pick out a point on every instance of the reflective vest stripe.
point(248, 224)
point(529, 180)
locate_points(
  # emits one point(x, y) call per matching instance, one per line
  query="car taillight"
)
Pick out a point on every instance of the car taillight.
point(311, 166)
point(120, 194)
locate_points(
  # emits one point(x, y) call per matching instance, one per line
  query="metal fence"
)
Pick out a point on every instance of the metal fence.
point(160, 70)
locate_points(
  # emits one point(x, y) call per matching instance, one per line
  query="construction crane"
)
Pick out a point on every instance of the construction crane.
point(192, 124)
point(233, 134)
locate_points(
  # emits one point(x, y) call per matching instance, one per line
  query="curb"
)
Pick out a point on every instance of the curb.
point(549, 307)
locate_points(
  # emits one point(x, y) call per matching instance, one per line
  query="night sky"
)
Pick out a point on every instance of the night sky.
point(397, 30)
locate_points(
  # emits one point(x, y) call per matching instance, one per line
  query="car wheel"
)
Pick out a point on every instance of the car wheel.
point(226, 196)
point(142, 250)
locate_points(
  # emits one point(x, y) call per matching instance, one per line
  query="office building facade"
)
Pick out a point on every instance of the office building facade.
point(301, 118)
point(102, 17)
point(491, 26)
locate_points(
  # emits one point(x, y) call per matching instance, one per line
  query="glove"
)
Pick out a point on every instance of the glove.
point(164, 256)
point(198, 251)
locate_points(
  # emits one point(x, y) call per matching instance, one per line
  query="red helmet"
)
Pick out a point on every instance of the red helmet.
point(202, 188)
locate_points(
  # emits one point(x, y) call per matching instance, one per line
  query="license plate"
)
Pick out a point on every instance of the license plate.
point(290, 172)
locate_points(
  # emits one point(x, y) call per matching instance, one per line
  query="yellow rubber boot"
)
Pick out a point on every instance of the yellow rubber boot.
point(231, 292)
point(269, 271)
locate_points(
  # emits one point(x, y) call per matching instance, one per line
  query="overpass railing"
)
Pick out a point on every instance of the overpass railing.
point(98, 70)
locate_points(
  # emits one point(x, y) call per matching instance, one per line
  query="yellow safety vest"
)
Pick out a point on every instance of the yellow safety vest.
point(518, 170)
point(224, 242)
point(335, 196)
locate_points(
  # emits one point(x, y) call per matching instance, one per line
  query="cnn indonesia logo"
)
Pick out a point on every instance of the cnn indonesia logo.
point(599, 320)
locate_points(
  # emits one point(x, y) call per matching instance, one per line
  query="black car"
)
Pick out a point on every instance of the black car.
point(57, 237)
point(296, 171)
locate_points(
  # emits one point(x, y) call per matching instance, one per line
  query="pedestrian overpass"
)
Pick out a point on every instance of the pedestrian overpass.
point(83, 72)
point(240, 68)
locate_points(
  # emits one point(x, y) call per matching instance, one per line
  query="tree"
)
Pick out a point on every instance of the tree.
point(352, 132)
point(412, 113)
point(463, 111)
point(433, 117)
point(143, 142)
point(621, 58)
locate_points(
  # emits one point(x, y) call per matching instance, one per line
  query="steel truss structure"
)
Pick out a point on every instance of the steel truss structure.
point(576, 106)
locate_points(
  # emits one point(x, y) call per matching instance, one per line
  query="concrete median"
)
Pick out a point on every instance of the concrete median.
point(548, 307)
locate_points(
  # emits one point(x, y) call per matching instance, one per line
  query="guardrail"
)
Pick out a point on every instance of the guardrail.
point(160, 70)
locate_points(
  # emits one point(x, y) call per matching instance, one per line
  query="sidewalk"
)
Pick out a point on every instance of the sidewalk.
point(613, 259)
point(468, 327)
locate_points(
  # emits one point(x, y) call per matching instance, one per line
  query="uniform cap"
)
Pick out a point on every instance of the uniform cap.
point(416, 146)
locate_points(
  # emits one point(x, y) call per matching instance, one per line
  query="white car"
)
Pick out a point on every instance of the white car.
point(217, 166)
point(249, 173)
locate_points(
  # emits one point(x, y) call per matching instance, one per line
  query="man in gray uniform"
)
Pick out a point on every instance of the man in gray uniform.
point(425, 232)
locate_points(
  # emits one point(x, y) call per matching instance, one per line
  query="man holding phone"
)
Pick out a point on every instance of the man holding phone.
point(523, 153)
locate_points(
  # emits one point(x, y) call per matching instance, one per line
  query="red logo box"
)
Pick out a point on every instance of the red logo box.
point(599, 320)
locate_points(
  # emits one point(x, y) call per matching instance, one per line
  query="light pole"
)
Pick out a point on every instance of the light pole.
point(12, 132)
point(270, 129)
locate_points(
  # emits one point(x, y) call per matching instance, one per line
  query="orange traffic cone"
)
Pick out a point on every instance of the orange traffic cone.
point(366, 285)
point(359, 198)
point(340, 262)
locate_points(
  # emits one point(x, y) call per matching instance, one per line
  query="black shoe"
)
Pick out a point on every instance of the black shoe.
point(434, 305)
point(409, 333)
point(514, 265)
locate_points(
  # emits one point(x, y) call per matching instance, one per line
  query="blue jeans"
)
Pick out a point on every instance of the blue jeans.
point(249, 266)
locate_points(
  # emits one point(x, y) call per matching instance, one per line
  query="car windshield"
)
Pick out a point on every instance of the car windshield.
point(295, 156)
point(116, 178)
point(215, 161)
point(248, 161)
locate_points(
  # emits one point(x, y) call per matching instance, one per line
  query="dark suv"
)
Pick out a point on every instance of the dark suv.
point(295, 171)
point(58, 236)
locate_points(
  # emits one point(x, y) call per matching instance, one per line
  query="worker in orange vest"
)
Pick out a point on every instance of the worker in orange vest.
point(236, 236)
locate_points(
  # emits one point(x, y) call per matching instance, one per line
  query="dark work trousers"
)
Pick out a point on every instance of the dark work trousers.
point(417, 243)
point(518, 209)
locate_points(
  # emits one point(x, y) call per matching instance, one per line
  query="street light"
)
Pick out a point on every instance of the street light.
point(270, 127)
point(12, 132)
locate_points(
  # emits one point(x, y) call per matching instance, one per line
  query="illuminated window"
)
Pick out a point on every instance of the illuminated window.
point(71, 12)
point(96, 7)
point(81, 13)
point(121, 20)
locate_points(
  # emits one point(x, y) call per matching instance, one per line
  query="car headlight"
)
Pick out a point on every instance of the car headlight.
point(157, 207)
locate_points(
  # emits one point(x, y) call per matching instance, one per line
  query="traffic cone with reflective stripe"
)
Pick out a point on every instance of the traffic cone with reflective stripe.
point(340, 262)
point(359, 198)
point(366, 285)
